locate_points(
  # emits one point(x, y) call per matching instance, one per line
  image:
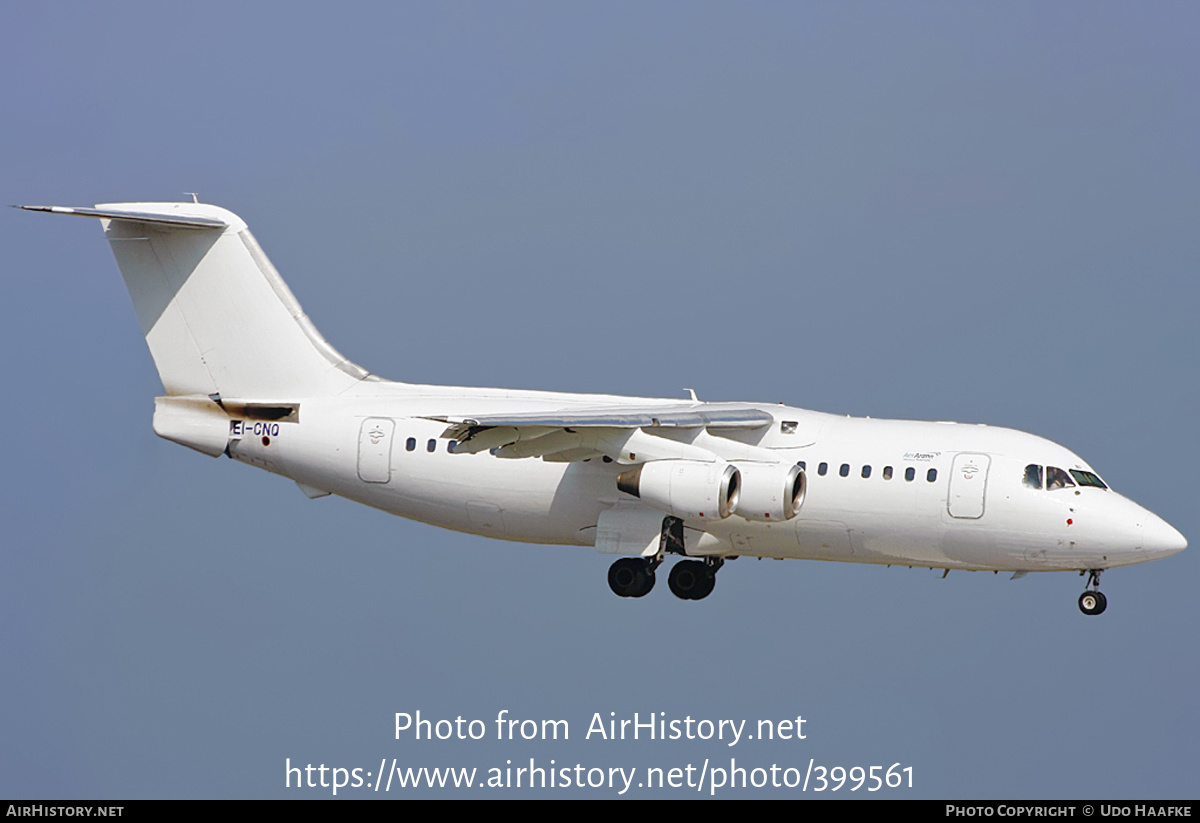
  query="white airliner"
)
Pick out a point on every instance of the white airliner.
point(247, 375)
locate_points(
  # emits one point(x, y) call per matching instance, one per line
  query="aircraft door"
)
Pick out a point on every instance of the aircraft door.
point(968, 484)
point(375, 450)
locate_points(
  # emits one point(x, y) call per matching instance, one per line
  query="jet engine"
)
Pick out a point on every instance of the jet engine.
point(771, 492)
point(688, 489)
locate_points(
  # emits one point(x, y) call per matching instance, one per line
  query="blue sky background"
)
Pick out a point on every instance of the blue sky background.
point(977, 212)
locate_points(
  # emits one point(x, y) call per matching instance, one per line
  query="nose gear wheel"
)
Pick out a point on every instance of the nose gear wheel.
point(1093, 600)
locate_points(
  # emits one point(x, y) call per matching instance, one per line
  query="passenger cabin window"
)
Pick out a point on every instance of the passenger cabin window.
point(821, 469)
point(1033, 476)
point(431, 446)
point(411, 444)
point(450, 446)
point(910, 473)
point(802, 466)
point(1056, 478)
point(844, 471)
point(931, 475)
point(887, 472)
point(866, 472)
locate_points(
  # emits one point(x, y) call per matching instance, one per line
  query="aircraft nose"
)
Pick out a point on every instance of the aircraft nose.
point(1160, 538)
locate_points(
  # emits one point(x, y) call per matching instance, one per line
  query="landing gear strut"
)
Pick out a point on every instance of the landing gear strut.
point(694, 579)
point(632, 576)
point(1093, 601)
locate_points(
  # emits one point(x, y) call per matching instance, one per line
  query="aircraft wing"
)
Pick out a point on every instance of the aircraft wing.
point(628, 435)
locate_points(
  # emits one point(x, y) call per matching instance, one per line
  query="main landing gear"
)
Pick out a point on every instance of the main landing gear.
point(689, 579)
point(694, 579)
point(632, 576)
point(1093, 601)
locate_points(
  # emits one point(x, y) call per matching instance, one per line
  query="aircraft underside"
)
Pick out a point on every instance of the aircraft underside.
point(699, 554)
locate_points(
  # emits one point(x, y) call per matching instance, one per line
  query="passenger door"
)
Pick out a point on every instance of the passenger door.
point(375, 450)
point(968, 485)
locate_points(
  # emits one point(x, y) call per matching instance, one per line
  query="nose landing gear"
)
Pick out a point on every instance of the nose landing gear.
point(1093, 600)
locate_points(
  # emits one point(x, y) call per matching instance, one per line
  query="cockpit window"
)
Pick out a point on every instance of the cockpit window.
point(1087, 479)
point(1033, 476)
point(1056, 478)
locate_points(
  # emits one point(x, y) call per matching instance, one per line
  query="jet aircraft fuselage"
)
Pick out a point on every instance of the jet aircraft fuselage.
point(248, 376)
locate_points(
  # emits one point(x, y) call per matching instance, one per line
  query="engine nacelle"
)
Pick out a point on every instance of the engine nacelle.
point(771, 492)
point(688, 489)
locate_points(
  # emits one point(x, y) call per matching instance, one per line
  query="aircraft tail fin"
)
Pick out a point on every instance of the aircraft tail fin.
point(218, 318)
